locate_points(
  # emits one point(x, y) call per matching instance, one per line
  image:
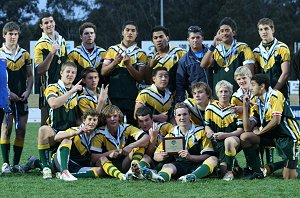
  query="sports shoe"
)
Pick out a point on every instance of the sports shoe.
point(17, 169)
point(124, 177)
point(6, 169)
point(67, 176)
point(256, 175)
point(136, 170)
point(187, 178)
point(128, 175)
point(155, 177)
point(228, 176)
point(31, 163)
point(47, 174)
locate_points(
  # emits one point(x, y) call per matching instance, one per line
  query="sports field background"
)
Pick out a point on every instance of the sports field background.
point(33, 185)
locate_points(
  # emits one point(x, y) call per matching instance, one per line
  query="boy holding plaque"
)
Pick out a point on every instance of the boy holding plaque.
point(226, 54)
point(273, 124)
point(194, 148)
point(224, 128)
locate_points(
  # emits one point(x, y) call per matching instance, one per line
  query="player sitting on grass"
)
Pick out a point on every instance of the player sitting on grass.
point(273, 124)
point(197, 148)
point(74, 154)
point(223, 128)
point(116, 145)
point(201, 98)
point(156, 131)
point(63, 114)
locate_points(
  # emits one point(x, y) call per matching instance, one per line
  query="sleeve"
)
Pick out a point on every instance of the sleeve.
point(143, 59)
point(285, 53)
point(98, 143)
point(207, 147)
point(207, 117)
point(142, 98)
point(181, 53)
point(165, 128)
point(38, 55)
point(110, 55)
point(103, 55)
point(277, 104)
point(134, 132)
point(51, 91)
point(254, 113)
point(181, 84)
point(71, 56)
point(234, 100)
point(27, 59)
point(84, 104)
point(248, 56)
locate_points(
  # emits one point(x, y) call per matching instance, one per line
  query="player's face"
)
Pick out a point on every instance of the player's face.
point(88, 36)
point(113, 120)
point(11, 38)
point(145, 122)
point(129, 33)
point(266, 33)
point(226, 33)
point(161, 79)
point(91, 121)
point(68, 75)
point(160, 40)
point(182, 117)
point(256, 89)
point(243, 81)
point(200, 96)
point(224, 94)
point(48, 25)
point(195, 40)
point(91, 80)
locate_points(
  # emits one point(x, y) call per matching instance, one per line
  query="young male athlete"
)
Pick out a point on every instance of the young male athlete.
point(88, 54)
point(197, 148)
point(74, 152)
point(50, 53)
point(272, 57)
point(202, 96)
point(124, 64)
point(92, 96)
point(164, 55)
point(224, 128)
point(226, 54)
point(157, 97)
point(116, 145)
point(188, 71)
point(270, 123)
point(63, 114)
point(20, 81)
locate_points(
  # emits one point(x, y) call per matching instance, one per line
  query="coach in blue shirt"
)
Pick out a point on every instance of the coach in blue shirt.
point(189, 70)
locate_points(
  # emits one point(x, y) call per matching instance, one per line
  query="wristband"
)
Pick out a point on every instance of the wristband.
point(212, 48)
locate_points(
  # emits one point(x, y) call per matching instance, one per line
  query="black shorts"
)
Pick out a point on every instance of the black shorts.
point(20, 107)
point(184, 167)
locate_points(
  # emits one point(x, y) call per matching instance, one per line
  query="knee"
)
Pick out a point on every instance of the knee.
point(44, 131)
point(246, 136)
point(213, 161)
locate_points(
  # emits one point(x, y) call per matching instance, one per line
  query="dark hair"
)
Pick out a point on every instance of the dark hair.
point(194, 29)
point(262, 79)
point(88, 70)
point(87, 25)
point(90, 112)
point(143, 111)
point(10, 26)
point(107, 111)
point(130, 23)
point(44, 15)
point(266, 21)
point(204, 86)
point(160, 28)
point(230, 22)
point(156, 70)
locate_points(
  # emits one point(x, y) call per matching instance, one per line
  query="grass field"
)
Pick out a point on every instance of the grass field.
point(33, 185)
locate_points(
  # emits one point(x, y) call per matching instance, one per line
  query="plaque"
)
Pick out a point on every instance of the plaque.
point(172, 145)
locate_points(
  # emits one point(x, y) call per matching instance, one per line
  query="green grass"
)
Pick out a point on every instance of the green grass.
point(32, 184)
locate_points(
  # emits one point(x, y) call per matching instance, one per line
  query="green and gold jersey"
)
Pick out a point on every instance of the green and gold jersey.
point(164, 128)
point(120, 78)
point(65, 116)
point(220, 119)
point(268, 61)
point(151, 98)
point(227, 60)
point(170, 61)
point(80, 152)
point(41, 50)
point(197, 116)
point(87, 100)
point(84, 59)
point(17, 65)
point(195, 142)
point(275, 105)
point(104, 141)
point(237, 100)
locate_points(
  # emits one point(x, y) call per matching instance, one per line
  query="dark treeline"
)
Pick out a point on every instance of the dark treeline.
point(108, 16)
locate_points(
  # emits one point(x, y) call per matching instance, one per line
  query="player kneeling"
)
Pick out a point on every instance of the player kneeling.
point(74, 154)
